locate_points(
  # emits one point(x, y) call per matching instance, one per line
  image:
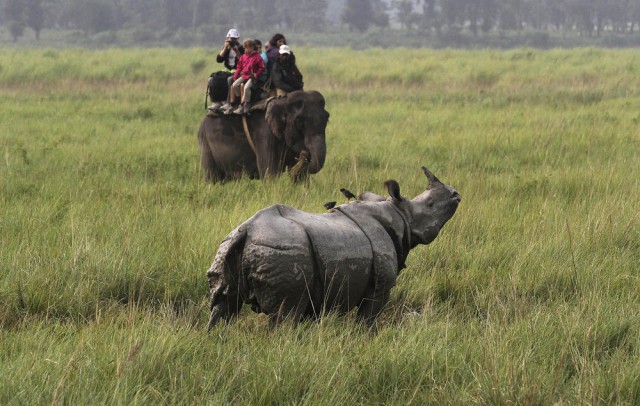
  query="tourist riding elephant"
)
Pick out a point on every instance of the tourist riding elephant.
point(286, 262)
point(289, 131)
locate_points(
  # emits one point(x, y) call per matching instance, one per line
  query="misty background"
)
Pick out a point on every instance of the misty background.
point(353, 23)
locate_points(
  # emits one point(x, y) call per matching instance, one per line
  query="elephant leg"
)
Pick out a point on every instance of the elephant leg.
point(269, 158)
point(266, 165)
point(211, 171)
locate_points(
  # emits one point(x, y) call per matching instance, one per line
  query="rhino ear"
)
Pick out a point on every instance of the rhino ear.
point(394, 190)
point(276, 116)
point(433, 181)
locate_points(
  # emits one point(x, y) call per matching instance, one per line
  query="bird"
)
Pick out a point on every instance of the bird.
point(348, 194)
point(329, 205)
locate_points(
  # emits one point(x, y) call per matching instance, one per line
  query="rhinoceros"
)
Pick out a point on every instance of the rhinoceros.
point(289, 263)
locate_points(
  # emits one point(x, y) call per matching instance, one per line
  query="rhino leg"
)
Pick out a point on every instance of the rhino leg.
point(224, 306)
point(226, 310)
point(376, 297)
point(292, 311)
point(281, 281)
point(371, 307)
point(224, 278)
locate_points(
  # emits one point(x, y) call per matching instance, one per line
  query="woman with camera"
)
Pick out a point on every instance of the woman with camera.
point(231, 51)
point(229, 55)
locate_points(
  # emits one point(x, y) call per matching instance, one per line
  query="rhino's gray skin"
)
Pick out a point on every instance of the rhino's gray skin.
point(286, 262)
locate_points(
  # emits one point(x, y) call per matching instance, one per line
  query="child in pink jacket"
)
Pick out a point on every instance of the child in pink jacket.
point(249, 68)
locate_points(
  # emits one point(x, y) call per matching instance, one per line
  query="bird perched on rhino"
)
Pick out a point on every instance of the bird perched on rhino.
point(329, 205)
point(348, 194)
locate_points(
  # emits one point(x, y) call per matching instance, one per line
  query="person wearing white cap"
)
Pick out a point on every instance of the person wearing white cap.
point(231, 51)
point(229, 55)
point(285, 75)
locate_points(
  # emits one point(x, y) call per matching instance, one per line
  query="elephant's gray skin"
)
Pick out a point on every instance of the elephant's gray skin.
point(290, 128)
point(286, 262)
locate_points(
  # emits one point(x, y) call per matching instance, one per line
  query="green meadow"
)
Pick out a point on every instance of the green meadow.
point(530, 295)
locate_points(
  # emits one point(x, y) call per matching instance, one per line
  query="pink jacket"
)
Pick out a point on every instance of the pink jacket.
point(249, 64)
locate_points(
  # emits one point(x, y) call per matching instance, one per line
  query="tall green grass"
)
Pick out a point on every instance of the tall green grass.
point(530, 295)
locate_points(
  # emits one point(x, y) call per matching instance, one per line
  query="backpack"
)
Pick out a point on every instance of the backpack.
point(218, 87)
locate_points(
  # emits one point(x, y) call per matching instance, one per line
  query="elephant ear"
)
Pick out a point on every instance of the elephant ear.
point(276, 116)
point(294, 110)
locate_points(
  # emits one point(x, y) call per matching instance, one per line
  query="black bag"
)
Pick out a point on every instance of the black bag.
point(218, 87)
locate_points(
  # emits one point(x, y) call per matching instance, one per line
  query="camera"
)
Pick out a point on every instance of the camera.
point(233, 43)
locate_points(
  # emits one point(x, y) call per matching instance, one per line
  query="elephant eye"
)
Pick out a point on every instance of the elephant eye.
point(429, 202)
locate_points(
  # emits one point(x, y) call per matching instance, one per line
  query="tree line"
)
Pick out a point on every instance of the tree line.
point(589, 18)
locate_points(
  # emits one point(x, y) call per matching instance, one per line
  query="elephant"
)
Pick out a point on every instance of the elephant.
point(289, 130)
point(289, 263)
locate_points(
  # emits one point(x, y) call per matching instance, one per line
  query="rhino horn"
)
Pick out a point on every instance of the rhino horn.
point(433, 180)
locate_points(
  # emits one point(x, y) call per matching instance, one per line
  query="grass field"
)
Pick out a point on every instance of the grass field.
point(530, 295)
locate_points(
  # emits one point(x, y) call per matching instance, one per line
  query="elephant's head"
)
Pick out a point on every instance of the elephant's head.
point(300, 119)
point(426, 213)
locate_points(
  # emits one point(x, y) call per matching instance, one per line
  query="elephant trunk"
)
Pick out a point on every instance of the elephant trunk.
point(318, 151)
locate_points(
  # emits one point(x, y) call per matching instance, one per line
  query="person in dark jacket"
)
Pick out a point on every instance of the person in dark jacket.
point(274, 46)
point(285, 75)
point(229, 55)
point(231, 51)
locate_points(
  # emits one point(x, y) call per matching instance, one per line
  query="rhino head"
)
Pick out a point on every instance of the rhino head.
point(426, 213)
point(431, 209)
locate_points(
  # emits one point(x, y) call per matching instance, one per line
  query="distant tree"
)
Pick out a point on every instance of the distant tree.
point(481, 14)
point(358, 14)
point(178, 14)
point(91, 16)
point(16, 29)
point(34, 16)
point(554, 14)
point(404, 11)
point(430, 16)
point(380, 13)
point(584, 14)
point(143, 13)
point(453, 13)
point(300, 15)
point(510, 15)
point(202, 12)
point(266, 14)
point(13, 10)
point(14, 16)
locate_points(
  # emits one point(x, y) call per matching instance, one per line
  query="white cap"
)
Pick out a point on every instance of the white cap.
point(233, 33)
point(284, 49)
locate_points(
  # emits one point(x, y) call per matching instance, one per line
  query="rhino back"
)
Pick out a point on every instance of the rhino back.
point(328, 251)
point(347, 255)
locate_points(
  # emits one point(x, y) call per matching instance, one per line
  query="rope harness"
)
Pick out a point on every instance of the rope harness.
point(246, 133)
point(246, 128)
